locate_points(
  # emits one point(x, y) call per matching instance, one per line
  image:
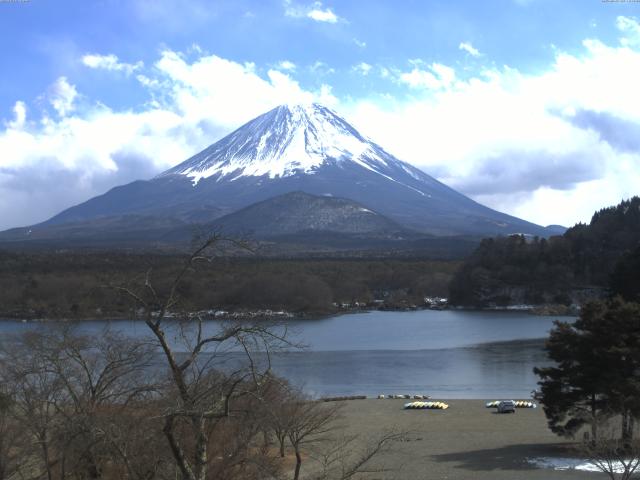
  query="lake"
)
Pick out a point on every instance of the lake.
point(446, 354)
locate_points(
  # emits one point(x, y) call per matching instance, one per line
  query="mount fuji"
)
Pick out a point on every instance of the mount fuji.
point(292, 148)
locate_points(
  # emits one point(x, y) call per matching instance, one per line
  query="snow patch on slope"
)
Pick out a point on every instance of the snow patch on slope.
point(286, 141)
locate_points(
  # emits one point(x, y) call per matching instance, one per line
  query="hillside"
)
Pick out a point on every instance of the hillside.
point(563, 269)
point(299, 212)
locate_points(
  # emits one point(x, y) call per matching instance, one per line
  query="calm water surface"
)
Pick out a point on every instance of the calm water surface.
point(446, 354)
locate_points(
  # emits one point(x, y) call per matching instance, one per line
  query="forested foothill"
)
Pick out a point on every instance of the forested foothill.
point(75, 285)
point(587, 262)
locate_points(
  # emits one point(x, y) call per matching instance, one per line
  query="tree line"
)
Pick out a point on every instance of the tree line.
point(72, 284)
point(587, 258)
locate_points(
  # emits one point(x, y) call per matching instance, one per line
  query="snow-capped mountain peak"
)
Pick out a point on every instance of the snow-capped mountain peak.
point(288, 140)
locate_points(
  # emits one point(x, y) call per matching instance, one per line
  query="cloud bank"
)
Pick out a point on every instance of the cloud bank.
point(550, 147)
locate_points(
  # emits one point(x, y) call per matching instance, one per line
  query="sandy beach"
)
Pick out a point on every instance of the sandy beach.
point(466, 441)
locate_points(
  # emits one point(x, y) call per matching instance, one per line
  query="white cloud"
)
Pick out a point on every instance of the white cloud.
point(418, 78)
point(147, 82)
point(362, 68)
point(325, 96)
point(321, 68)
point(226, 92)
point(316, 11)
point(446, 75)
point(631, 28)
point(110, 62)
point(384, 72)
point(550, 147)
point(437, 76)
point(320, 15)
point(469, 48)
point(292, 10)
point(62, 95)
point(287, 65)
point(359, 43)
point(20, 114)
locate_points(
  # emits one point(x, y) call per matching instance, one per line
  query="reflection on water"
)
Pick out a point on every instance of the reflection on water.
point(500, 370)
point(446, 354)
point(419, 330)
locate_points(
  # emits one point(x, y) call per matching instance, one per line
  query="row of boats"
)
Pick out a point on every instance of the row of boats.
point(426, 405)
point(433, 405)
point(444, 406)
point(518, 404)
point(406, 397)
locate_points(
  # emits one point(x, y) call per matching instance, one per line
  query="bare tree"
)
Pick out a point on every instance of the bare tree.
point(100, 377)
point(69, 391)
point(11, 437)
point(612, 454)
point(309, 422)
point(278, 397)
point(343, 458)
point(36, 396)
point(204, 384)
point(136, 444)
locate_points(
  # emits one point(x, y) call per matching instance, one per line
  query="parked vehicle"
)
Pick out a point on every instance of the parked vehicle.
point(507, 406)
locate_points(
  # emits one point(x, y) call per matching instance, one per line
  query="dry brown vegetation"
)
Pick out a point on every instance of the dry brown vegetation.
point(71, 285)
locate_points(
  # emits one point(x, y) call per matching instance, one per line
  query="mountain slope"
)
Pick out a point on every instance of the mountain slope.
point(305, 148)
point(299, 212)
point(129, 230)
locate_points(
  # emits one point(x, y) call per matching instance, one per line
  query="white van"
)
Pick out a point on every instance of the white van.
point(507, 406)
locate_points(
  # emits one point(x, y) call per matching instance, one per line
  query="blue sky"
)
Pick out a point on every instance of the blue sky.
point(45, 40)
point(529, 106)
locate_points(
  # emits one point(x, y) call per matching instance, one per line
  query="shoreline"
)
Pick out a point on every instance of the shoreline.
point(270, 315)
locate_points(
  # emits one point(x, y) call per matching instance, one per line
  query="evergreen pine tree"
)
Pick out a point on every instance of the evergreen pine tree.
point(597, 369)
